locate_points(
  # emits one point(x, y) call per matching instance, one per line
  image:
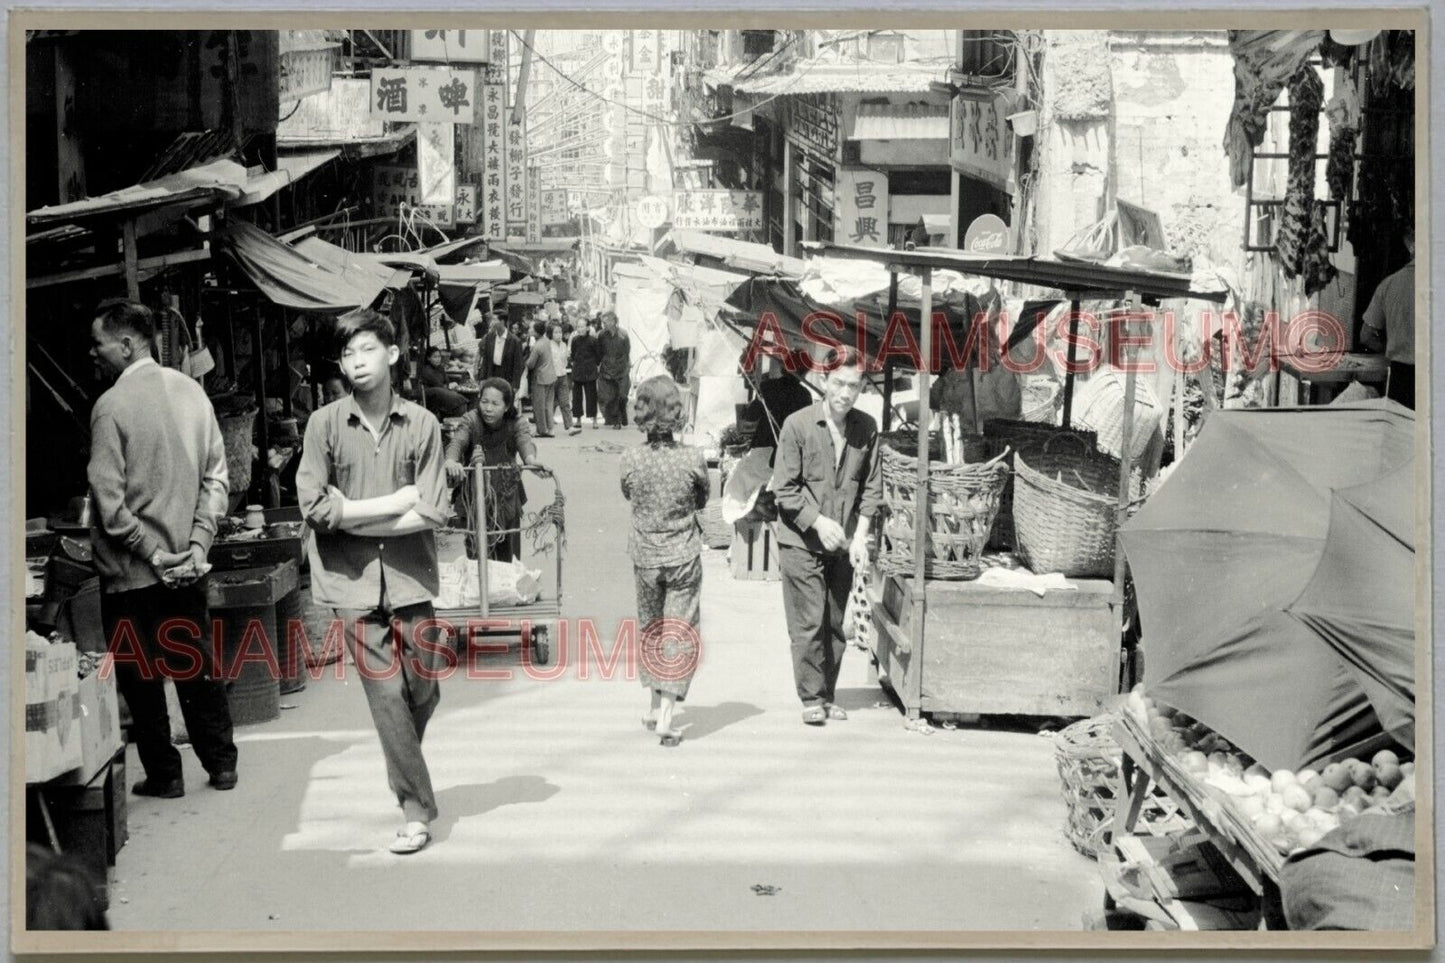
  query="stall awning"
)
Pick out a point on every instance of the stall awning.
point(346, 263)
point(743, 255)
point(198, 185)
point(818, 77)
point(900, 122)
point(290, 279)
point(290, 168)
point(542, 245)
point(479, 272)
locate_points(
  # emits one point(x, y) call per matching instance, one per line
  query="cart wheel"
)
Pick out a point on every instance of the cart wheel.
point(541, 649)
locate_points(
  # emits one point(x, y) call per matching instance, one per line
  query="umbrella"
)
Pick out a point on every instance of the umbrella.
point(1225, 545)
point(1361, 599)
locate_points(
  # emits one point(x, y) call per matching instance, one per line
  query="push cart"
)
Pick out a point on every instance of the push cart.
point(543, 529)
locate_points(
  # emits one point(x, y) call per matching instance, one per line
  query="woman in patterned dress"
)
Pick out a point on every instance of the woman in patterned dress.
point(493, 434)
point(667, 484)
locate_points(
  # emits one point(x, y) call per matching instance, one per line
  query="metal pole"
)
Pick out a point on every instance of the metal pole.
point(913, 700)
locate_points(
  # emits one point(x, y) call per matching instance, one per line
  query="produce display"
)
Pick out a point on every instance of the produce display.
point(1289, 810)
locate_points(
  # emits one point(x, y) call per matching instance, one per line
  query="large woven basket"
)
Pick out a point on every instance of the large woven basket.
point(1088, 760)
point(236, 434)
point(1102, 409)
point(1001, 435)
point(1065, 511)
point(962, 499)
point(1041, 400)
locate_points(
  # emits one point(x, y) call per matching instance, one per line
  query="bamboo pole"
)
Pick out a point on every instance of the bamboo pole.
point(913, 700)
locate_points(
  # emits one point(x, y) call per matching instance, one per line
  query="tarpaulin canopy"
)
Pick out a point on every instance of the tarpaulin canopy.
point(290, 279)
point(1361, 600)
point(344, 262)
point(1221, 550)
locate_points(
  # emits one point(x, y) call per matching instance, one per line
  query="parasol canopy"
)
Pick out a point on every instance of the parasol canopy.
point(1361, 599)
point(1226, 545)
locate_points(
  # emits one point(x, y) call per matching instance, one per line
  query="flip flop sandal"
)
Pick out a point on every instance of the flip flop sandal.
point(836, 712)
point(671, 740)
point(815, 715)
point(407, 843)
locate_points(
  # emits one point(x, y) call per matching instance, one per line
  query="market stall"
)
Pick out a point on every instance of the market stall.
point(979, 653)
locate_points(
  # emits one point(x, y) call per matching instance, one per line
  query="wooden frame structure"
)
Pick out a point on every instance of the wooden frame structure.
point(1077, 281)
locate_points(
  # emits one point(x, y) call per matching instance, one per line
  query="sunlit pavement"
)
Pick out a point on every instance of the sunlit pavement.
point(559, 811)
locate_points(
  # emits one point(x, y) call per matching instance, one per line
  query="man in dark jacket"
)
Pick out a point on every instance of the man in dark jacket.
point(586, 357)
point(500, 355)
point(614, 374)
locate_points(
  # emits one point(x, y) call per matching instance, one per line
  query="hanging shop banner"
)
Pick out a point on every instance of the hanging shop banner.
point(493, 207)
point(981, 144)
point(496, 70)
point(644, 51)
point(466, 212)
point(654, 95)
point(517, 176)
point(450, 46)
point(395, 186)
point(724, 211)
point(862, 211)
point(423, 94)
point(554, 207)
point(436, 163)
point(534, 206)
point(305, 67)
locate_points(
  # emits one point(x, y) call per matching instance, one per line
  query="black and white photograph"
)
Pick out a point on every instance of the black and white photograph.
point(625, 481)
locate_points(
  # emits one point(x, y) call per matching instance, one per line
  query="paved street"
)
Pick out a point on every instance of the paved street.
point(560, 812)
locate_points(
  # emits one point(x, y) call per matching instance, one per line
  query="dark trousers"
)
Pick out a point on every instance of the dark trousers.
point(1401, 384)
point(815, 596)
point(398, 667)
point(584, 399)
point(612, 396)
point(132, 622)
point(563, 398)
point(542, 398)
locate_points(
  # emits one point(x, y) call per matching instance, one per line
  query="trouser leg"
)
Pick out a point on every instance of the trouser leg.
point(128, 623)
point(838, 573)
point(563, 401)
point(805, 607)
point(201, 689)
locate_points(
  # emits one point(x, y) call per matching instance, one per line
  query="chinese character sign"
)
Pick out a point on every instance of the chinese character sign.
point(436, 162)
point(534, 205)
point(450, 46)
point(861, 215)
point(492, 197)
point(395, 187)
point(496, 70)
point(554, 207)
point(516, 153)
point(432, 94)
point(981, 144)
point(725, 211)
point(466, 203)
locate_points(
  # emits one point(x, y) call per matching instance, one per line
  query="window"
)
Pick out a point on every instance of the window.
point(986, 54)
point(757, 42)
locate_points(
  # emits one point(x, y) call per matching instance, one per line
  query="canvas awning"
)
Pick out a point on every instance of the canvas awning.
point(344, 262)
point(916, 121)
point(290, 168)
point(291, 279)
point(196, 186)
point(743, 255)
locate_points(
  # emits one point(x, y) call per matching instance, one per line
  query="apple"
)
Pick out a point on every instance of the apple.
point(1356, 798)
point(1362, 774)
point(1281, 778)
point(1385, 757)
point(1389, 775)
point(1326, 798)
point(1296, 797)
point(1307, 778)
point(1337, 777)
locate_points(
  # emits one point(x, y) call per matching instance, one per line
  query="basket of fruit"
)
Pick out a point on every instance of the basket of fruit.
point(1088, 761)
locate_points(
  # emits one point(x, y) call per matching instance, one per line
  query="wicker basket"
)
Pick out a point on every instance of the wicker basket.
point(1000, 435)
point(236, 433)
point(962, 499)
point(1102, 409)
point(1065, 509)
point(1088, 760)
point(1041, 400)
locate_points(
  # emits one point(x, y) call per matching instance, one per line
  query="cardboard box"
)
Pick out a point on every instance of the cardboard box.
point(52, 709)
point(100, 736)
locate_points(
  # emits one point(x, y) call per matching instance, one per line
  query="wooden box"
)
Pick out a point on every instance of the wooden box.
point(1000, 651)
point(754, 553)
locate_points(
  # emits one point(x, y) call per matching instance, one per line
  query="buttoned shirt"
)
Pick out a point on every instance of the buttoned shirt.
point(811, 477)
point(1392, 310)
point(349, 571)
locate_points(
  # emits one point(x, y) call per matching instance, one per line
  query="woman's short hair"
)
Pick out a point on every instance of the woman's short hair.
point(659, 405)
point(502, 387)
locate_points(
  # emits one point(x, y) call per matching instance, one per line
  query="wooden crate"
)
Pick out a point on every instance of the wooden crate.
point(754, 553)
point(1001, 651)
point(89, 820)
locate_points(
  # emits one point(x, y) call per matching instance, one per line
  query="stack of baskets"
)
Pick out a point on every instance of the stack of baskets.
point(1066, 509)
point(962, 500)
point(236, 434)
point(1001, 435)
point(1088, 760)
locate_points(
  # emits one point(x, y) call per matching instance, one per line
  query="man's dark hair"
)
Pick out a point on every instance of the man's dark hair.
point(539, 328)
point(60, 893)
point(365, 322)
point(119, 315)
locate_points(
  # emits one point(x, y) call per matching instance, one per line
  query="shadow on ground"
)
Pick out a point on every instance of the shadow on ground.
point(462, 802)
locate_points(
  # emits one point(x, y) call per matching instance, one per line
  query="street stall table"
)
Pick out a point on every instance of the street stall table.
point(959, 680)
